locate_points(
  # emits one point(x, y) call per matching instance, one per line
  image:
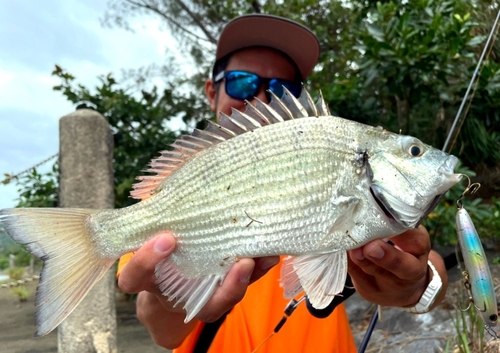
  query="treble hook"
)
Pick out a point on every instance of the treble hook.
point(470, 189)
point(471, 300)
point(465, 274)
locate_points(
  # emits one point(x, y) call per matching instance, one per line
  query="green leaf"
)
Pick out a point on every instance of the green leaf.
point(476, 41)
point(376, 32)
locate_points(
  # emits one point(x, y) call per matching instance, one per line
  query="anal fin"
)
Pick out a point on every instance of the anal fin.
point(320, 276)
point(195, 292)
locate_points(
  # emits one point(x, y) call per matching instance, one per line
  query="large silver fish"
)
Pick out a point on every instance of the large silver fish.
point(284, 178)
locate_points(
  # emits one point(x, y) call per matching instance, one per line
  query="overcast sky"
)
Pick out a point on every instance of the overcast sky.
point(36, 35)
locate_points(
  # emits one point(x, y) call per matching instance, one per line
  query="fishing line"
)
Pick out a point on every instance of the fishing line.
point(289, 309)
point(369, 332)
point(317, 313)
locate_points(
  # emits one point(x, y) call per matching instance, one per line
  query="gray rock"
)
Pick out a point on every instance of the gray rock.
point(399, 331)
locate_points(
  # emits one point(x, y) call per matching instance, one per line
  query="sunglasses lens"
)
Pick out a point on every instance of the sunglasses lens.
point(242, 85)
point(276, 86)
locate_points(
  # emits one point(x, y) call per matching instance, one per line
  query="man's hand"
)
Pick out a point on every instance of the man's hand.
point(395, 275)
point(166, 323)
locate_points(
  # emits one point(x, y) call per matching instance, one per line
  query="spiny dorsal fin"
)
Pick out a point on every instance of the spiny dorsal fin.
point(321, 106)
point(279, 106)
point(272, 115)
point(256, 113)
point(294, 106)
point(232, 124)
point(245, 119)
point(218, 130)
point(308, 103)
point(254, 117)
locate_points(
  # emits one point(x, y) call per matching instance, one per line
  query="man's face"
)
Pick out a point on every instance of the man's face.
point(261, 61)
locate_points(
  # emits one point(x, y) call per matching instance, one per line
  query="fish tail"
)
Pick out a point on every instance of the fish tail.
point(60, 237)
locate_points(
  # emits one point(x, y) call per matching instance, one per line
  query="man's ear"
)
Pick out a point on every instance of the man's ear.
point(211, 93)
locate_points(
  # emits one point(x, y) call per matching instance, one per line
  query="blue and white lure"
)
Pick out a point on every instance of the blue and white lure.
point(477, 275)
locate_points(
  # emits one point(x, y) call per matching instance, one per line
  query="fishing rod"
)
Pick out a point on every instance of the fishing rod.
point(475, 75)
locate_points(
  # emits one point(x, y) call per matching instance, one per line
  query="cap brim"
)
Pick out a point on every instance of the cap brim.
point(290, 37)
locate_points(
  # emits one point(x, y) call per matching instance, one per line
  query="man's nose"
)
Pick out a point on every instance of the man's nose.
point(261, 94)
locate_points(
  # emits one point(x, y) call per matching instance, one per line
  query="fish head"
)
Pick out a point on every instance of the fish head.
point(409, 178)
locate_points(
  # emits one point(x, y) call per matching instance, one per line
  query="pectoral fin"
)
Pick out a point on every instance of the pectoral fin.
point(320, 276)
point(341, 217)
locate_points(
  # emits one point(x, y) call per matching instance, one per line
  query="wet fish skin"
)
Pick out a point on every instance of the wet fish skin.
point(305, 184)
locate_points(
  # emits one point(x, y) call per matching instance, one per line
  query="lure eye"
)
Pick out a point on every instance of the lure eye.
point(493, 317)
point(415, 151)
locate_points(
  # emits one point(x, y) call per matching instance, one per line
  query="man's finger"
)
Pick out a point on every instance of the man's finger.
point(414, 241)
point(263, 265)
point(138, 273)
point(379, 258)
point(231, 291)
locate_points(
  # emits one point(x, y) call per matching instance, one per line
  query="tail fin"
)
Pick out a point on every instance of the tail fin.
point(60, 238)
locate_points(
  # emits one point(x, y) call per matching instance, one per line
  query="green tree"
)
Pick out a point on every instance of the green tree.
point(140, 126)
point(38, 190)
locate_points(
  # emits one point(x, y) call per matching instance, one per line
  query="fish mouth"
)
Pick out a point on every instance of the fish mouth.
point(407, 220)
point(408, 216)
point(430, 208)
point(389, 212)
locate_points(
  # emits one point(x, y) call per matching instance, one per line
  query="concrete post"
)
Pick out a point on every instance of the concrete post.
point(86, 181)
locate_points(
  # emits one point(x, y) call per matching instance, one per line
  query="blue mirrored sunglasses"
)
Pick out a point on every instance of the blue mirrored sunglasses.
point(245, 85)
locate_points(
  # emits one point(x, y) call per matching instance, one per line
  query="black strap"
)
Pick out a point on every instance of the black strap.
point(207, 335)
point(346, 293)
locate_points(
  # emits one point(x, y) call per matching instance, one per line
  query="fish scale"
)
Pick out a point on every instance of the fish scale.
point(307, 186)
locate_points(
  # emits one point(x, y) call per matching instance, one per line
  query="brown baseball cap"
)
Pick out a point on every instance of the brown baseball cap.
point(292, 38)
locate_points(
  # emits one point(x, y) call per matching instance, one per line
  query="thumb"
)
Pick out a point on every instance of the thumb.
point(139, 273)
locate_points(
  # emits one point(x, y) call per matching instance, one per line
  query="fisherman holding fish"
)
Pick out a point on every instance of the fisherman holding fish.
point(285, 178)
point(256, 53)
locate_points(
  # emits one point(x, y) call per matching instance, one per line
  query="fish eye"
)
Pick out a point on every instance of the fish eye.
point(412, 146)
point(415, 151)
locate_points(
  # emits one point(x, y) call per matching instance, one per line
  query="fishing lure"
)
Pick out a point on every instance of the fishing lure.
point(477, 275)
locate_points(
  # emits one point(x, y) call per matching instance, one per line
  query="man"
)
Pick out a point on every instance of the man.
point(256, 53)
